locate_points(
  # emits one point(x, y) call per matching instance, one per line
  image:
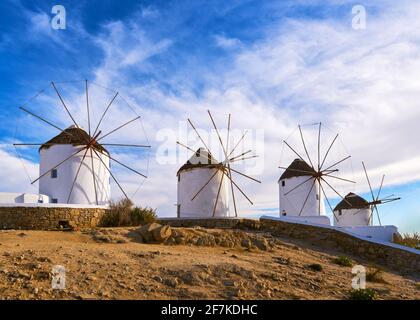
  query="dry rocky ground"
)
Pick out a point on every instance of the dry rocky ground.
point(194, 263)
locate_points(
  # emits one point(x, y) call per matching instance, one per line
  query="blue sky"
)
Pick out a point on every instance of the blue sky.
point(272, 64)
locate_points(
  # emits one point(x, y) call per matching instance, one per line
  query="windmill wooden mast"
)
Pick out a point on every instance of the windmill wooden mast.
point(225, 166)
point(376, 200)
point(89, 143)
point(319, 172)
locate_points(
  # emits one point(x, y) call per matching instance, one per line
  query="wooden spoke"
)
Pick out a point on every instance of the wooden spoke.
point(218, 135)
point(328, 151)
point(120, 127)
point(64, 105)
point(233, 191)
point(245, 158)
point(319, 147)
point(328, 201)
point(237, 144)
point(125, 166)
point(126, 145)
point(46, 121)
point(293, 150)
point(103, 114)
point(93, 176)
point(380, 187)
point(208, 181)
point(307, 197)
point(116, 181)
point(87, 107)
point(183, 145)
point(329, 185)
point(228, 134)
point(77, 174)
point(243, 193)
point(240, 155)
point(57, 165)
point(246, 176)
point(338, 162)
point(201, 139)
point(367, 178)
point(342, 179)
point(300, 184)
point(304, 146)
point(217, 196)
point(377, 214)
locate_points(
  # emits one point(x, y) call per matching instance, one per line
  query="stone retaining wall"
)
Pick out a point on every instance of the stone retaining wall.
point(49, 218)
point(394, 258)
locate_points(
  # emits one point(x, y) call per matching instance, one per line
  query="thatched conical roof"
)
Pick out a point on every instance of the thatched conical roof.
point(297, 168)
point(200, 159)
point(353, 202)
point(72, 135)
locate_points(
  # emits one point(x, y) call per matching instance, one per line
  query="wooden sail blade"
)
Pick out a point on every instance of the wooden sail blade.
point(240, 155)
point(328, 151)
point(199, 136)
point(185, 146)
point(368, 180)
point(217, 196)
point(93, 176)
point(338, 178)
point(125, 166)
point(237, 144)
point(333, 189)
point(304, 146)
point(120, 127)
point(294, 151)
point(208, 181)
point(103, 114)
point(338, 162)
point(245, 158)
point(309, 173)
point(87, 106)
point(307, 197)
point(240, 190)
point(45, 121)
point(328, 201)
point(233, 190)
point(319, 147)
point(380, 187)
point(64, 105)
point(77, 174)
point(299, 185)
point(126, 145)
point(218, 135)
point(244, 175)
point(375, 207)
point(228, 135)
point(57, 165)
point(113, 177)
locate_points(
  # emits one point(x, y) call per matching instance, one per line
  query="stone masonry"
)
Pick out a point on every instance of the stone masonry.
point(49, 218)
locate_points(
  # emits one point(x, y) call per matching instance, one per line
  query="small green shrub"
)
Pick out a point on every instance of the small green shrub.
point(375, 275)
point(122, 213)
point(409, 240)
point(141, 215)
point(343, 261)
point(363, 294)
point(315, 267)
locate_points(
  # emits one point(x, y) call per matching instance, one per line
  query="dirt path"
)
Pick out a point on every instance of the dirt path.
point(134, 270)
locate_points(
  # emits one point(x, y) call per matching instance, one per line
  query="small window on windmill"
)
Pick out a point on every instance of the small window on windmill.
point(283, 213)
point(54, 200)
point(283, 183)
point(317, 196)
point(54, 174)
point(179, 178)
point(340, 212)
point(178, 210)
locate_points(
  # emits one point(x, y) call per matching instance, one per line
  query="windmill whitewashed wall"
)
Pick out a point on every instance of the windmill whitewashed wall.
point(57, 185)
point(353, 212)
point(192, 176)
point(291, 204)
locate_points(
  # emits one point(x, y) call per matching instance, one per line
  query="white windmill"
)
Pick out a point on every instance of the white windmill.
point(357, 211)
point(302, 185)
point(205, 184)
point(74, 165)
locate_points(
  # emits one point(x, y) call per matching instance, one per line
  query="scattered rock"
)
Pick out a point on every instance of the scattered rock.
point(146, 231)
point(161, 233)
